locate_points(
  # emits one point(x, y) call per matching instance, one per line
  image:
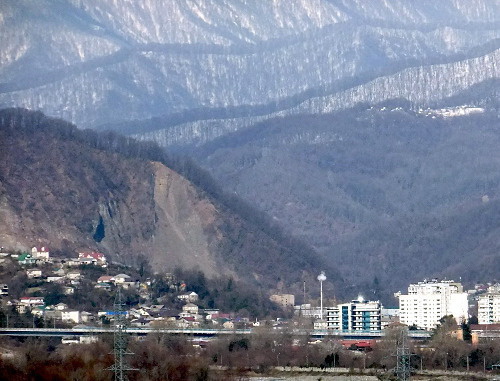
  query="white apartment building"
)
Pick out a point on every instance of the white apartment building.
point(70, 316)
point(488, 306)
point(308, 311)
point(358, 315)
point(428, 301)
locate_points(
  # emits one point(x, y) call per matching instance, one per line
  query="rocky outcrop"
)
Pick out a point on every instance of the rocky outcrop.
point(69, 190)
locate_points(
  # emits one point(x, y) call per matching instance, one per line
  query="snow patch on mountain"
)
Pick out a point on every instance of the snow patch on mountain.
point(452, 111)
point(112, 62)
point(419, 85)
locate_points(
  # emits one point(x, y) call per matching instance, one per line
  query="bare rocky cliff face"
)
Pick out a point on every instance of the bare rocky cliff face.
point(183, 220)
point(61, 188)
point(60, 194)
point(164, 218)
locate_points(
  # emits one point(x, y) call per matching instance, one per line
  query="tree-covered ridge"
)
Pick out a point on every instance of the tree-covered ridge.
point(91, 177)
point(388, 192)
point(178, 62)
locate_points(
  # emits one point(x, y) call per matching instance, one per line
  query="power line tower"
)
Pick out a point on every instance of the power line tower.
point(120, 339)
point(403, 357)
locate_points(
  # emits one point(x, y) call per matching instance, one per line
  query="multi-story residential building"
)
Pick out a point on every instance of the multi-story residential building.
point(70, 316)
point(358, 315)
point(191, 297)
point(488, 306)
point(429, 301)
point(308, 311)
point(284, 300)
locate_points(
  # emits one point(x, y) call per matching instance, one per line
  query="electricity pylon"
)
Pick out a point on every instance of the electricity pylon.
point(403, 356)
point(120, 339)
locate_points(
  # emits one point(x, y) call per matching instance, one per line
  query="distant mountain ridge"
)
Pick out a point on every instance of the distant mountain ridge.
point(75, 190)
point(109, 64)
point(422, 86)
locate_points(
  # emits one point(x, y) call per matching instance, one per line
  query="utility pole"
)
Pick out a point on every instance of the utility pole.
point(304, 299)
point(120, 339)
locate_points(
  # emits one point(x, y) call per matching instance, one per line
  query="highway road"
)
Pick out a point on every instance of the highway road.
point(201, 332)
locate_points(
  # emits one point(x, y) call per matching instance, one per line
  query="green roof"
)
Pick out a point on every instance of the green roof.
point(24, 256)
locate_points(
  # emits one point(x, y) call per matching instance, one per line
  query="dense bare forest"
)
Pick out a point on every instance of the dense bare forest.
point(102, 190)
point(409, 193)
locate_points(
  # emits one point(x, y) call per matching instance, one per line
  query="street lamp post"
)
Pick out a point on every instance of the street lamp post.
point(321, 278)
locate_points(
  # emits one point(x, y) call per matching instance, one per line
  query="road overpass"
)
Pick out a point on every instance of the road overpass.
point(198, 332)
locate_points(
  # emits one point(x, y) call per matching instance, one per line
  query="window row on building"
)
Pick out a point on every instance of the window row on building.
point(358, 315)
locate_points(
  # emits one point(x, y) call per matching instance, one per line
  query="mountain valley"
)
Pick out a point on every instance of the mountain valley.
point(367, 130)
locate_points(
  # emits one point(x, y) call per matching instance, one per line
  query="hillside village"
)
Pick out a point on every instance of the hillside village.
point(40, 283)
point(40, 290)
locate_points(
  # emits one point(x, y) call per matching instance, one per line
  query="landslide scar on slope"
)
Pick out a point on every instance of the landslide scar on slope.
point(179, 237)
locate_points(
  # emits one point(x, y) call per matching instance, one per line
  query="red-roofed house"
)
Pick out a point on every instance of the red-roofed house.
point(98, 257)
point(105, 279)
point(29, 302)
point(40, 253)
point(484, 332)
point(32, 300)
point(186, 322)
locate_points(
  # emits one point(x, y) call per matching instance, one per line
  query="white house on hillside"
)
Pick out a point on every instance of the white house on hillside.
point(121, 278)
point(40, 253)
point(97, 258)
point(34, 273)
point(70, 316)
point(190, 308)
point(190, 297)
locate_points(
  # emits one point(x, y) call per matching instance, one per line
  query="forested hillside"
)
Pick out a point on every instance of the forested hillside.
point(362, 127)
point(390, 194)
point(71, 189)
